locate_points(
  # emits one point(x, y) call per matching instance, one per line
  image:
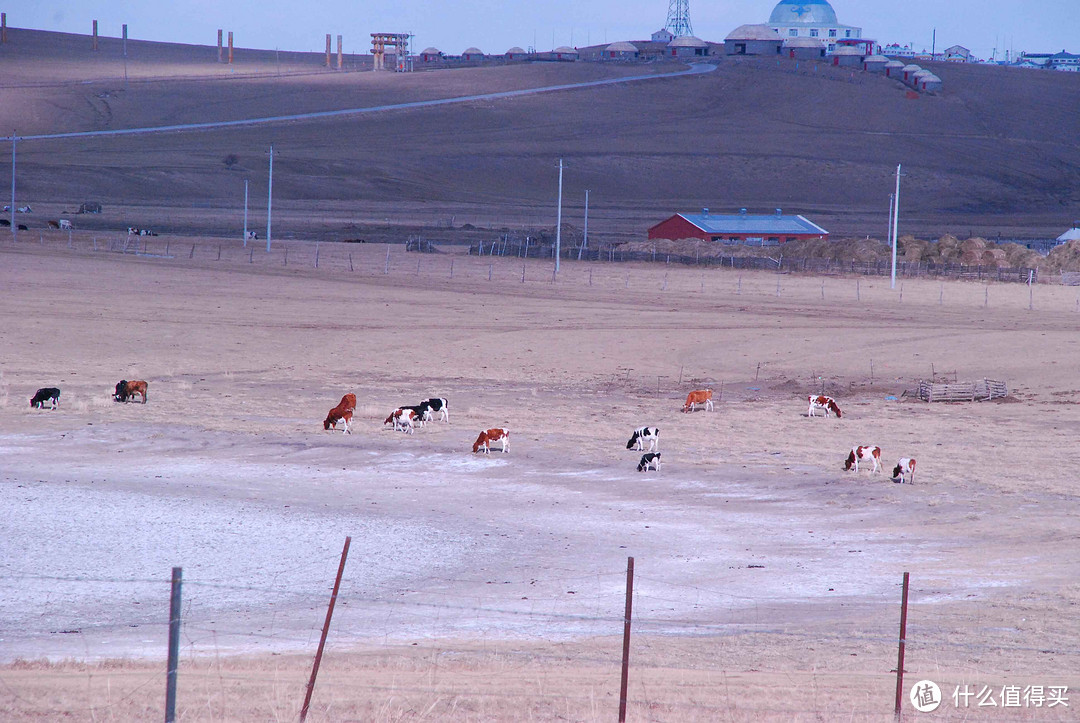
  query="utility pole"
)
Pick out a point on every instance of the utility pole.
point(891, 240)
point(895, 224)
point(269, 198)
point(245, 211)
point(585, 237)
point(14, 228)
point(558, 222)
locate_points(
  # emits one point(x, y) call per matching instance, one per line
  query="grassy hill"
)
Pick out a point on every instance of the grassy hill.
point(994, 153)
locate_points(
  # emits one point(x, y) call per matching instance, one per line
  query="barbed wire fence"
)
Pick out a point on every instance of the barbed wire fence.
point(696, 652)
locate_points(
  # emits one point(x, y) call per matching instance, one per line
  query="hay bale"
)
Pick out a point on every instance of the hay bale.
point(973, 245)
point(995, 257)
point(1065, 257)
point(912, 249)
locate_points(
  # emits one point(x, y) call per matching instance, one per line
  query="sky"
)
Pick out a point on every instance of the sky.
point(987, 27)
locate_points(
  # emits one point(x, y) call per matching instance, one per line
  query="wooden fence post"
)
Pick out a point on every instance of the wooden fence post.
point(386, 267)
point(626, 639)
point(325, 630)
point(900, 654)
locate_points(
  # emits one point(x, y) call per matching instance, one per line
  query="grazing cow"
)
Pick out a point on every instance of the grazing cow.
point(403, 418)
point(701, 396)
point(24, 209)
point(55, 225)
point(65, 224)
point(863, 453)
point(649, 434)
point(650, 459)
point(252, 234)
point(433, 406)
point(904, 470)
point(46, 394)
point(5, 222)
point(495, 434)
point(343, 412)
point(134, 231)
point(827, 404)
point(125, 390)
point(22, 227)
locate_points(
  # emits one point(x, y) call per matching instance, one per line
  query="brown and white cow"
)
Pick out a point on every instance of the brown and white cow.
point(904, 470)
point(700, 396)
point(820, 401)
point(863, 453)
point(495, 434)
point(404, 419)
point(343, 412)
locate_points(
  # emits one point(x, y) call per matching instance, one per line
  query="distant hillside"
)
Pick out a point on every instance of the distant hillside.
point(994, 153)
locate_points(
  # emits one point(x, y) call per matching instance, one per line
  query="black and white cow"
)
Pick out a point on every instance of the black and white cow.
point(643, 435)
point(433, 406)
point(46, 394)
point(650, 459)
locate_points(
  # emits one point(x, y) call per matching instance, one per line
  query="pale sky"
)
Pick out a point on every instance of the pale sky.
point(980, 25)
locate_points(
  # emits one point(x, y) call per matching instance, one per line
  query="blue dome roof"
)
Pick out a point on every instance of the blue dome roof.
point(803, 12)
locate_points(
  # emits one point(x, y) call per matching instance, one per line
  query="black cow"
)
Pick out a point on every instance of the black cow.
point(46, 394)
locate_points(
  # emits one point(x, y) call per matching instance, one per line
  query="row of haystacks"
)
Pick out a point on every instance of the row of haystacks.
point(973, 251)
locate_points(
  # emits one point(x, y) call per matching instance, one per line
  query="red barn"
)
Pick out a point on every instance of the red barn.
point(740, 228)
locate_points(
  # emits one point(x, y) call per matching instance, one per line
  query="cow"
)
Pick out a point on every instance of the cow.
point(701, 396)
point(54, 225)
point(904, 470)
point(125, 390)
point(251, 235)
point(650, 459)
point(495, 434)
point(419, 411)
point(403, 418)
point(863, 453)
point(650, 434)
point(343, 412)
point(433, 406)
point(24, 209)
point(133, 231)
point(828, 404)
point(65, 224)
point(22, 227)
point(46, 394)
point(5, 222)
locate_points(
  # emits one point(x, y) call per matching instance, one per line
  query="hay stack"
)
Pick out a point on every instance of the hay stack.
point(912, 249)
point(1065, 257)
point(971, 251)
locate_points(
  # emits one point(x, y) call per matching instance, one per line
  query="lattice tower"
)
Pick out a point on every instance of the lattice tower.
point(678, 18)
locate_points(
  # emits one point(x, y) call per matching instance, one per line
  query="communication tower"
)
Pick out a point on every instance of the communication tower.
point(678, 18)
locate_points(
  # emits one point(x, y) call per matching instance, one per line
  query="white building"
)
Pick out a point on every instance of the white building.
point(810, 19)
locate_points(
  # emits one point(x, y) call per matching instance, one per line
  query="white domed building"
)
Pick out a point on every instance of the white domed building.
point(810, 19)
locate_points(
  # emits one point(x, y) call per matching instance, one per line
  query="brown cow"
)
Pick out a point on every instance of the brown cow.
point(343, 412)
point(495, 434)
point(701, 396)
point(125, 390)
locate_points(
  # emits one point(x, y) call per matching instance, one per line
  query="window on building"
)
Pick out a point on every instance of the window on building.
point(813, 32)
point(793, 32)
point(847, 33)
point(832, 32)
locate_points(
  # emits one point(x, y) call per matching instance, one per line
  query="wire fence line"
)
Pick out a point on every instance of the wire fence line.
point(674, 645)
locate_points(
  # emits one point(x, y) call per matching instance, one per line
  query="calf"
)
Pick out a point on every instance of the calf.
point(863, 453)
point(827, 404)
point(403, 418)
point(433, 406)
point(125, 390)
point(46, 394)
point(701, 396)
point(343, 412)
point(495, 434)
point(904, 470)
point(650, 434)
point(651, 459)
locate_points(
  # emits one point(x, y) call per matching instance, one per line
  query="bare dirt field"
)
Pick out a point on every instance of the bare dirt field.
point(767, 580)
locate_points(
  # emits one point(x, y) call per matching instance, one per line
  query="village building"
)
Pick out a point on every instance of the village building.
point(810, 19)
point(741, 228)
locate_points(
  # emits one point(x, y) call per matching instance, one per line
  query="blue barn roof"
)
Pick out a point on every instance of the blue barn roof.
point(753, 224)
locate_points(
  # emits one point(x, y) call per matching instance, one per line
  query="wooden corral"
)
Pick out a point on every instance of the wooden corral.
point(976, 391)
